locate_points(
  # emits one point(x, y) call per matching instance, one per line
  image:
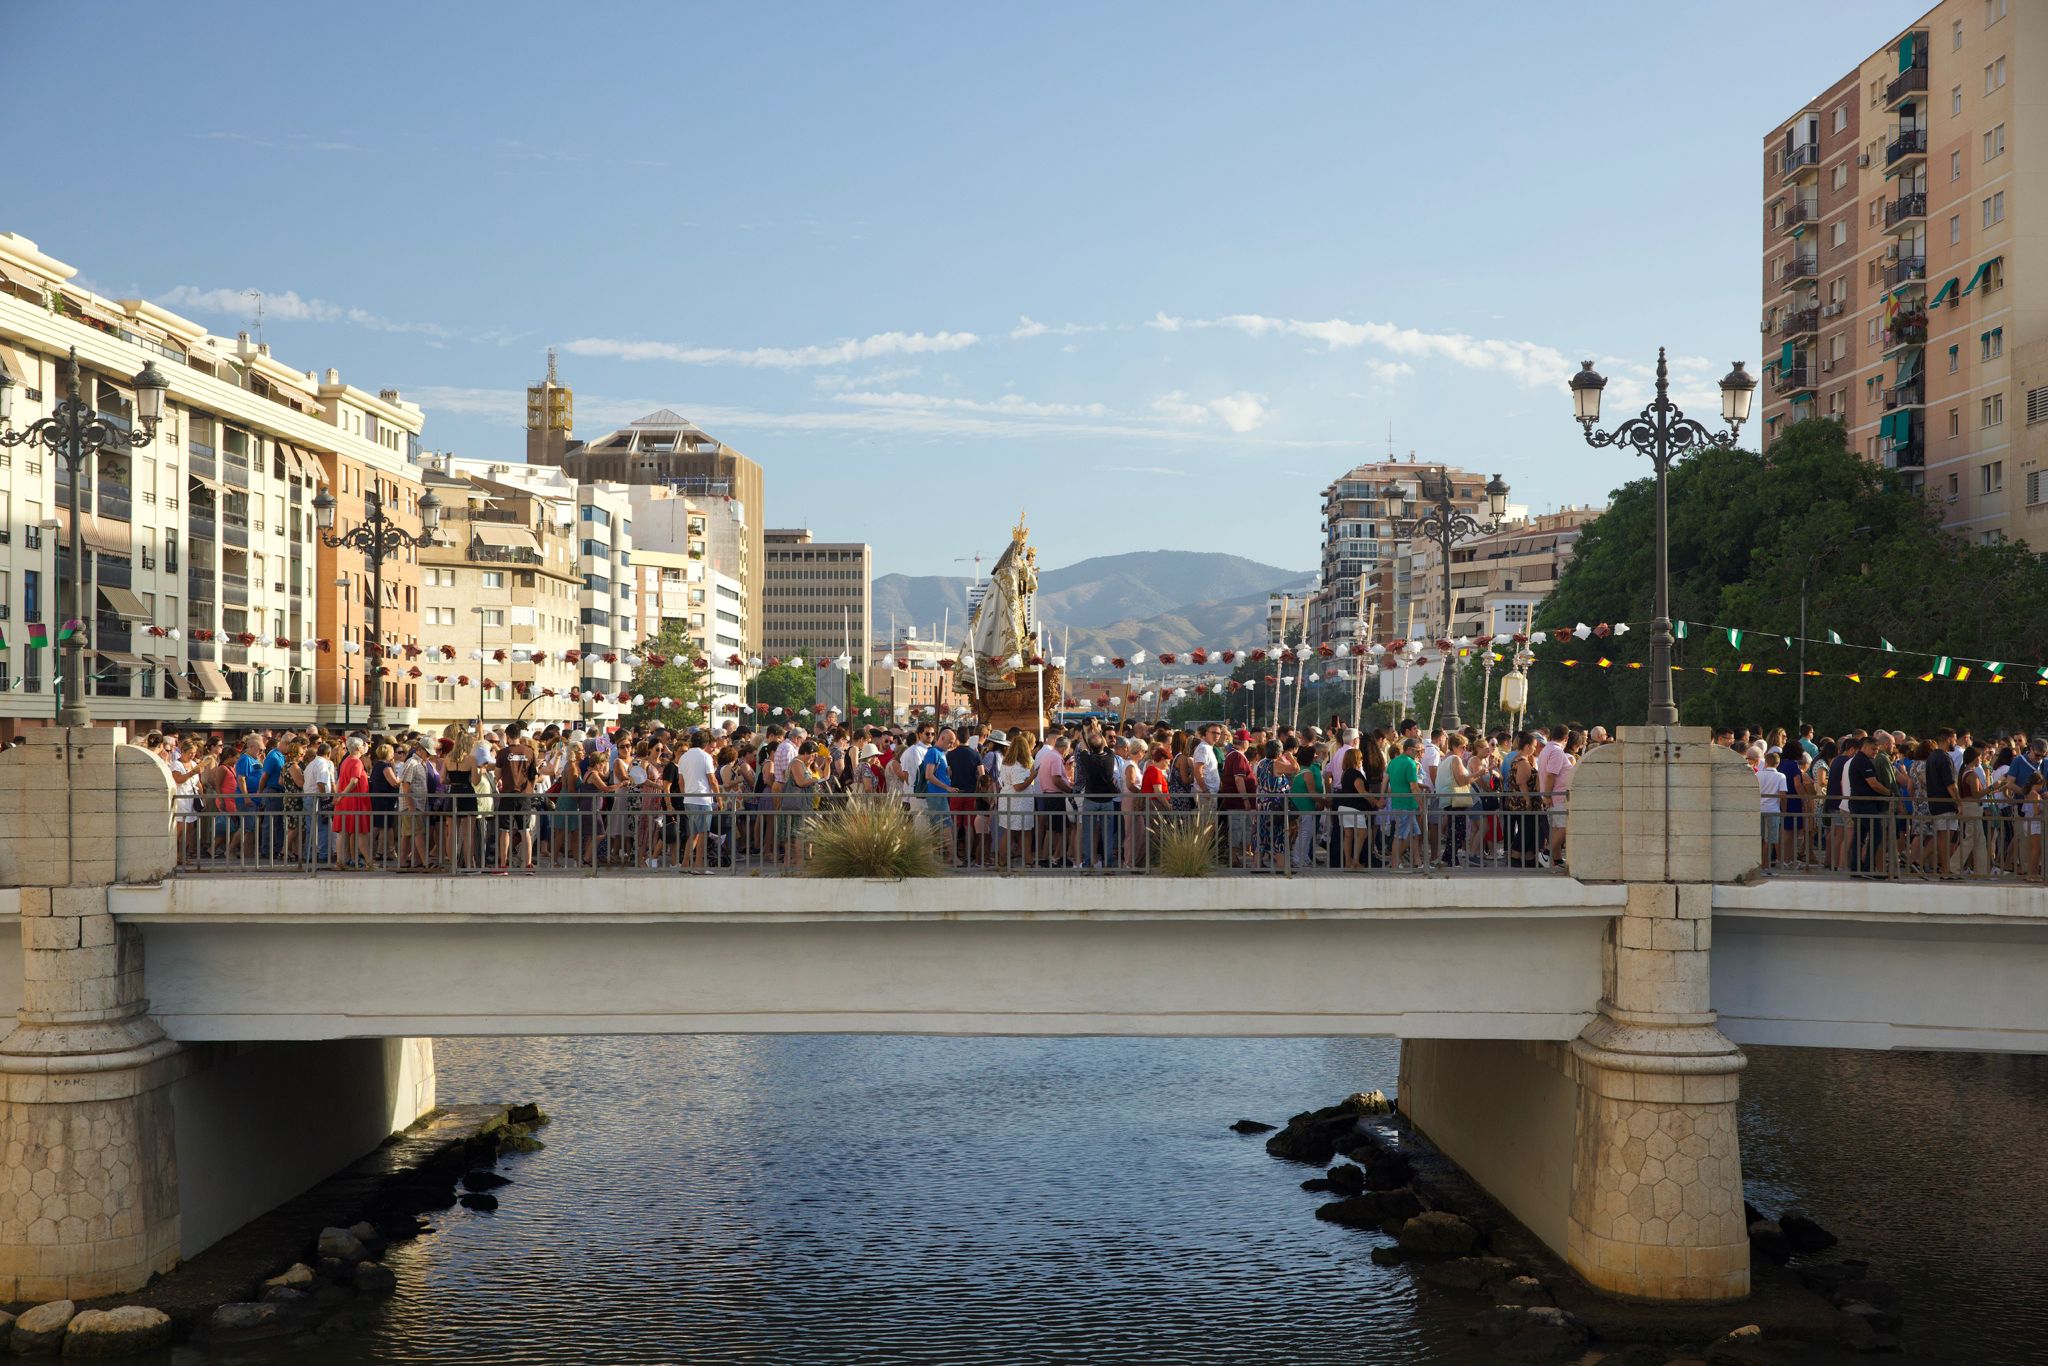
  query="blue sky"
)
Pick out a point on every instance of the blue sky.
point(1155, 273)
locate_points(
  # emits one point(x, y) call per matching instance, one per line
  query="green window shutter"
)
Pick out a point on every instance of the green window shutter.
point(1944, 292)
point(1785, 358)
point(1906, 52)
point(1978, 277)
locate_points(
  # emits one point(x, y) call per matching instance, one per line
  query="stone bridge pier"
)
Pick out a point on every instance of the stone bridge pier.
point(1619, 1148)
point(121, 1150)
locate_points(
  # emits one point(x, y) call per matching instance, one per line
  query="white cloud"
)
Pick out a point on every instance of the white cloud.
point(1387, 371)
point(1163, 323)
point(1009, 405)
point(841, 352)
point(1031, 327)
point(1240, 412)
point(287, 306)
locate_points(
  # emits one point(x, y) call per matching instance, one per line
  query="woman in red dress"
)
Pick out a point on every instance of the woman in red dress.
point(351, 807)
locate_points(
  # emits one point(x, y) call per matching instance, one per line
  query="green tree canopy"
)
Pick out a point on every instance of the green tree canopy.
point(1747, 531)
point(677, 677)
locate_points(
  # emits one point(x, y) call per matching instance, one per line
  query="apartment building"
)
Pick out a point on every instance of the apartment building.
point(505, 579)
point(905, 674)
point(814, 595)
point(598, 520)
point(1364, 553)
point(1497, 582)
point(662, 449)
point(1898, 293)
point(200, 553)
point(708, 528)
point(683, 587)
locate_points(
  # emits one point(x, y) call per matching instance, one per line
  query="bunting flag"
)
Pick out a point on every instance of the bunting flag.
point(1993, 666)
point(3, 637)
point(71, 629)
point(38, 636)
point(1834, 637)
point(1889, 648)
point(1734, 637)
point(1944, 666)
point(1681, 630)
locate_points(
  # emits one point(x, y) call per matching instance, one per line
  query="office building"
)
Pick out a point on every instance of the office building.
point(1497, 582)
point(814, 596)
point(1898, 294)
point(1364, 554)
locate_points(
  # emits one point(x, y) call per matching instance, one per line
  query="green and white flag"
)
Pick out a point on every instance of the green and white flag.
point(1944, 666)
point(1734, 637)
point(1889, 648)
point(1834, 637)
point(1680, 628)
point(1994, 666)
point(1788, 642)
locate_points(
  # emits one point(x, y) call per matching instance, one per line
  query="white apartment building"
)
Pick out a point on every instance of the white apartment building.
point(200, 551)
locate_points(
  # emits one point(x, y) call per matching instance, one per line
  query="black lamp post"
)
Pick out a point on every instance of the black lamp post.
point(378, 539)
point(1663, 433)
point(348, 672)
point(72, 431)
point(1440, 519)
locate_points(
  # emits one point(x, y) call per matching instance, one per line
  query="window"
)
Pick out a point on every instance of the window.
point(1991, 477)
point(1955, 100)
point(1955, 422)
point(1954, 358)
point(1955, 37)
point(1991, 411)
point(1876, 207)
point(1994, 10)
point(494, 578)
point(1994, 143)
point(2035, 485)
point(1838, 235)
point(1955, 229)
point(31, 595)
point(1873, 332)
point(1841, 175)
point(494, 616)
point(1992, 344)
point(1836, 345)
point(1994, 209)
point(1994, 76)
point(1841, 118)
point(2037, 405)
point(1954, 487)
point(1955, 165)
point(1994, 276)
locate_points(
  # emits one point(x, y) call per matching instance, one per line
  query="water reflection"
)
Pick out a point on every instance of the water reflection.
point(1021, 1200)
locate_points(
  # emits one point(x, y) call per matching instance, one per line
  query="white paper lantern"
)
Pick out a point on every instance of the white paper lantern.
point(844, 662)
point(1059, 661)
point(1621, 628)
point(795, 661)
point(1581, 631)
point(1138, 658)
point(1098, 661)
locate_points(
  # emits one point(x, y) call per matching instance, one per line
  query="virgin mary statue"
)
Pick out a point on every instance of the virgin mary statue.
point(1000, 633)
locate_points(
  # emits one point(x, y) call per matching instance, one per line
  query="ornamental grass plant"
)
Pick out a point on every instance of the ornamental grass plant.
point(1184, 846)
point(871, 837)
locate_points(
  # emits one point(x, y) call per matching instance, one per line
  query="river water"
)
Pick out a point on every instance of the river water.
point(768, 1199)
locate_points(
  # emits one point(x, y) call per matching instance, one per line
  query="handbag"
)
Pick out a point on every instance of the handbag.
point(486, 782)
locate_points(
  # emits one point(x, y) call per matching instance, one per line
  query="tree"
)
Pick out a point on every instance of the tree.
point(792, 687)
point(1747, 529)
point(677, 678)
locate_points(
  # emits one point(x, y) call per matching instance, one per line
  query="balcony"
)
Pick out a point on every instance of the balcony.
point(1911, 81)
point(491, 554)
point(1911, 393)
point(1791, 379)
point(201, 524)
point(235, 529)
point(234, 469)
point(116, 501)
point(234, 589)
point(1905, 271)
point(1801, 158)
point(1910, 143)
point(1799, 323)
point(1910, 329)
point(200, 584)
point(199, 456)
point(1906, 209)
point(1903, 455)
point(1803, 266)
point(1802, 208)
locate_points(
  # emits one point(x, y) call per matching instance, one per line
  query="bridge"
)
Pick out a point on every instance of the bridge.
point(193, 1049)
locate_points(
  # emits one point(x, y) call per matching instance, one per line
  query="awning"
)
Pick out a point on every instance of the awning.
point(304, 461)
point(1909, 365)
point(210, 681)
point(105, 537)
point(122, 660)
point(504, 537)
point(1785, 357)
point(1944, 292)
point(1906, 53)
point(391, 595)
point(1982, 271)
point(208, 480)
point(124, 603)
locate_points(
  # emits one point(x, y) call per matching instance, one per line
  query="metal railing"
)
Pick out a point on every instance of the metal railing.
point(1803, 320)
point(1800, 157)
point(1995, 837)
point(1910, 142)
point(1905, 207)
point(1904, 271)
point(1908, 82)
point(647, 832)
point(1804, 265)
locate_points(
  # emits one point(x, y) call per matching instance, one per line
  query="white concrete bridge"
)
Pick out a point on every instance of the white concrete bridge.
point(1542, 1014)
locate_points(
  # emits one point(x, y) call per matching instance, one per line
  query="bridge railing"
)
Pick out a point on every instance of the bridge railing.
point(644, 832)
point(1994, 838)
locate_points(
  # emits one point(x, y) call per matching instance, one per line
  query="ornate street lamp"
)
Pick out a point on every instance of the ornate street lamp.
point(1439, 519)
point(379, 540)
point(1663, 433)
point(72, 431)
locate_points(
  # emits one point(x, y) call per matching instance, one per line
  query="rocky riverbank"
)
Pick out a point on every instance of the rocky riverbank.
point(309, 1267)
point(1424, 1214)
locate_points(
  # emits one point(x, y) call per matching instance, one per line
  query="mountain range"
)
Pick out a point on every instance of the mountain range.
point(1149, 600)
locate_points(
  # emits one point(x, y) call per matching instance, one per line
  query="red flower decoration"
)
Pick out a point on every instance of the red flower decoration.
point(1198, 656)
point(1236, 686)
point(700, 662)
point(1230, 656)
point(413, 672)
point(245, 637)
point(540, 656)
point(735, 661)
point(1166, 658)
point(761, 707)
point(1073, 702)
point(1561, 636)
point(818, 708)
point(948, 663)
point(823, 664)
point(282, 642)
point(1119, 663)
point(657, 661)
point(571, 656)
point(326, 646)
point(1520, 638)
point(440, 678)
point(411, 651)
point(1287, 656)
point(610, 656)
point(1201, 689)
point(447, 652)
point(774, 661)
point(497, 656)
point(462, 680)
point(1271, 679)
point(1603, 630)
point(1443, 645)
point(1326, 651)
point(1483, 641)
point(1036, 661)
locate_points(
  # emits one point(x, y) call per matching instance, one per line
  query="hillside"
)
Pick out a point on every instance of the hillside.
point(1136, 599)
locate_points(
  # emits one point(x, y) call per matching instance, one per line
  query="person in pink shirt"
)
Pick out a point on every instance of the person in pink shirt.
point(1554, 779)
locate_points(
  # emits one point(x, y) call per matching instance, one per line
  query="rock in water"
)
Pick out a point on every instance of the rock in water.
point(1370, 1209)
point(1318, 1184)
point(1346, 1179)
point(374, 1278)
point(528, 1113)
point(284, 1297)
point(1804, 1236)
point(126, 1331)
point(1540, 1335)
point(1387, 1254)
point(1369, 1103)
point(1251, 1126)
point(297, 1276)
point(341, 1245)
point(1467, 1273)
point(1438, 1233)
point(481, 1201)
point(41, 1329)
point(1388, 1171)
point(1524, 1292)
point(1767, 1242)
point(1312, 1138)
point(1742, 1347)
point(236, 1320)
point(482, 1179)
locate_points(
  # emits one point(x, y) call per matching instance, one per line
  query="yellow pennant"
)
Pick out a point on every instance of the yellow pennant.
point(1637, 664)
point(1854, 678)
point(1927, 677)
point(1746, 667)
point(1604, 662)
point(1891, 673)
point(1962, 672)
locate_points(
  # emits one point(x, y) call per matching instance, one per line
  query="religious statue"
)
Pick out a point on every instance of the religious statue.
point(1002, 632)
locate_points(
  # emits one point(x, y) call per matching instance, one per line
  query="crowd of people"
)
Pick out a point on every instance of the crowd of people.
point(1887, 803)
point(1092, 795)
